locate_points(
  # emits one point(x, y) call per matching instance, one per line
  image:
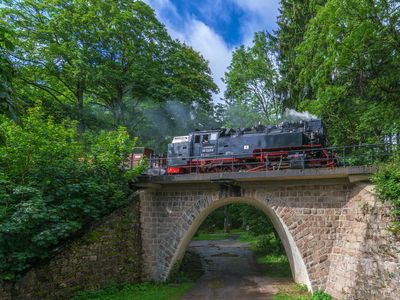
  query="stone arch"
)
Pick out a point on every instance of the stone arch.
point(203, 208)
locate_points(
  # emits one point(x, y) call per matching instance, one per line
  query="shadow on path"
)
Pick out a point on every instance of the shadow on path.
point(231, 272)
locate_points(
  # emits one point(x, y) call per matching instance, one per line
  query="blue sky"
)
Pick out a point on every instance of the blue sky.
point(216, 27)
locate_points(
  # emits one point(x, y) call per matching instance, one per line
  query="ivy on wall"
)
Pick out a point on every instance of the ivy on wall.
point(387, 182)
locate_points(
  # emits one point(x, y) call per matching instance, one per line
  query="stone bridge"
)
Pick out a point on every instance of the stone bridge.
point(333, 229)
point(331, 225)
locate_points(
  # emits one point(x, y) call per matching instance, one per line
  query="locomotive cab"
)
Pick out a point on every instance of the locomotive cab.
point(204, 144)
point(315, 132)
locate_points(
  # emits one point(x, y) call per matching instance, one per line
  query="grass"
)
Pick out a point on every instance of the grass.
point(273, 264)
point(211, 236)
point(143, 291)
point(215, 236)
point(182, 278)
point(294, 292)
point(299, 292)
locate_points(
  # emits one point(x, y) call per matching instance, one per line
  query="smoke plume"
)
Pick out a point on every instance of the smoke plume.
point(295, 116)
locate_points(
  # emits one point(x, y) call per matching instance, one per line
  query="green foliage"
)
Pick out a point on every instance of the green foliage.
point(215, 236)
point(274, 265)
point(100, 61)
point(342, 72)
point(387, 185)
point(265, 244)
point(300, 292)
point(143, 291)
point(242, 216)
point(269, 243)
point(189, 269)
point(292, 24)
point(159, 122)
point(52, 185)
point(319, 295)
point(7, 104)
point(181, 279)
point(251, 82)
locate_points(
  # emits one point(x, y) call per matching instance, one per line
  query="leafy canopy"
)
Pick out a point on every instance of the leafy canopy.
point(7, 104)
point(251, 79)
point(98, 61)
point(350, 60)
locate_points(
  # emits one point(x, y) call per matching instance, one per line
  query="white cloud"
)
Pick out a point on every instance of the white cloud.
point(212, 46)
point(259, 6)
point(162, 6)
point(199, 36)
point(258, 15)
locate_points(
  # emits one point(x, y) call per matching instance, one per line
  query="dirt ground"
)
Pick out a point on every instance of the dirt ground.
point(231, 272)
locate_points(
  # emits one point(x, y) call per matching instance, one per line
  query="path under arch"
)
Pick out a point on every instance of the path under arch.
point(297, 265)
point(230, 271)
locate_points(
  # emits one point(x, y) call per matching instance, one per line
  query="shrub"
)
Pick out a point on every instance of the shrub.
point(387, 185)
point(268, 243)
point(52, 185)
point(319, 295)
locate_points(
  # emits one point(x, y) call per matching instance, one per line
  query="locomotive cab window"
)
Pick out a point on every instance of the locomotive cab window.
point(197, 139)
point(213, 136)
point(205, 138)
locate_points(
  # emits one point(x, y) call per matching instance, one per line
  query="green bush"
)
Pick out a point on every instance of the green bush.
point(268, 243)
point(52, 185)
point(318, 295)
point(387, 184)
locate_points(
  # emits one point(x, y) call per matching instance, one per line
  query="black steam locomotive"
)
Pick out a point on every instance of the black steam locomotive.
point(288, 145)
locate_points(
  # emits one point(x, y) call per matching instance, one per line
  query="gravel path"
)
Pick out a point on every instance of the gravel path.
point(231, 272)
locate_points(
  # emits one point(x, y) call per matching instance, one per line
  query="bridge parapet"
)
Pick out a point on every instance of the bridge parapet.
point(346, 174)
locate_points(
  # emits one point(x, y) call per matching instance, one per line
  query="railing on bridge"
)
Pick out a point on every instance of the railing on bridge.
point(330, 157)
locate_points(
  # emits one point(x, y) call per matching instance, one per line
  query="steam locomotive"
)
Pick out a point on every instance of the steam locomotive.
point(293, 145)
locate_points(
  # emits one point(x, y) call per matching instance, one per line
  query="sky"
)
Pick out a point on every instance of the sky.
point(216, 27)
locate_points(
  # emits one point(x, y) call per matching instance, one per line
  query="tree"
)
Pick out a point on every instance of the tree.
point(238, 115)
point(51, 50)
point(292, 23)
point(108, 54)
point(7, 105)
point(139, 61)
point(350, 58)
point(252, 79)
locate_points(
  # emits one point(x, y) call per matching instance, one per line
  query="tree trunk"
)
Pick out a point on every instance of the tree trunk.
point(79, 97)
point(227, 224)
point(118, 107)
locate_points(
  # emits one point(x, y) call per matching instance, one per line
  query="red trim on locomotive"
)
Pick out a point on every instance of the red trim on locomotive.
point(174, 170)
point(260, 159)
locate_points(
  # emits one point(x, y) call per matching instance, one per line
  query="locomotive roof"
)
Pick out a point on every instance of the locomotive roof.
point(206, 131)
point(252, 129)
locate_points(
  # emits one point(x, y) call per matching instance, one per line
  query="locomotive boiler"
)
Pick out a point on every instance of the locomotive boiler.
point(287, 145)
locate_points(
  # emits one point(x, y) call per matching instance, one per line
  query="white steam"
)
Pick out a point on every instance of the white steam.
point(295, 116)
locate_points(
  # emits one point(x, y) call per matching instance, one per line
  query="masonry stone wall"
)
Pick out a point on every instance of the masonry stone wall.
point(108, 252)
point(365, 259)
point(338, 228)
